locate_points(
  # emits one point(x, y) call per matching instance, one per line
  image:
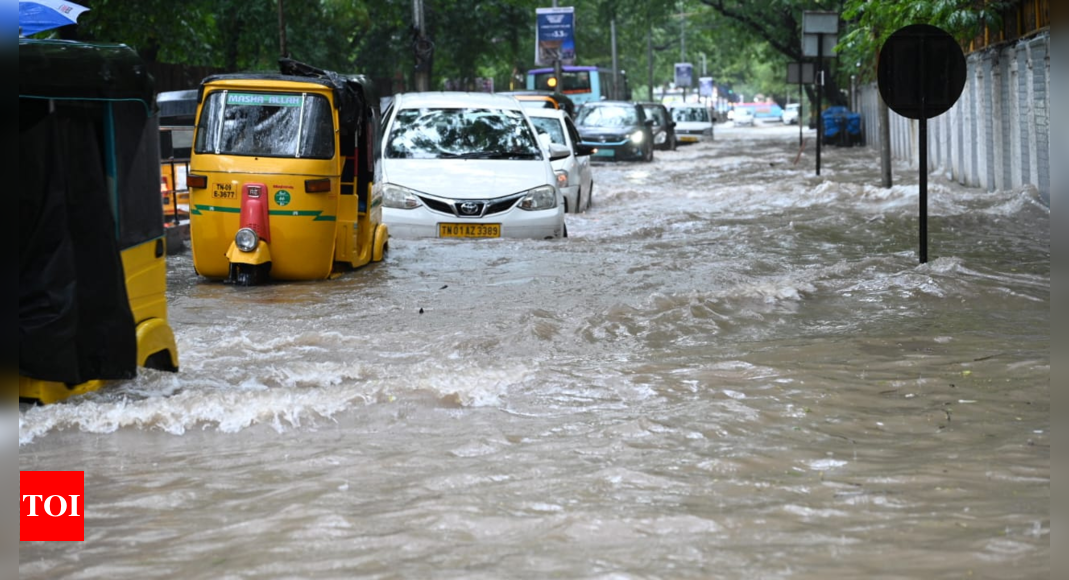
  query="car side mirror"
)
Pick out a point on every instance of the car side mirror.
point(581, 149)
point(672, 124)
point(558, 151)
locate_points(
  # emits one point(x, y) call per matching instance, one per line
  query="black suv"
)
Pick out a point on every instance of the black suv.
point(618, 129)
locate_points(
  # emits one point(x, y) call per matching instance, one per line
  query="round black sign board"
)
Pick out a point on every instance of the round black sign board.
point(921, 71)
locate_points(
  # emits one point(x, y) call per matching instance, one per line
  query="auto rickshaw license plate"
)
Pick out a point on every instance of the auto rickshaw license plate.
point(469, 230)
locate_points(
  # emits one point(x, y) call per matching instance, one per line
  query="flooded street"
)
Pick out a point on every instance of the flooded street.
point(732, 368)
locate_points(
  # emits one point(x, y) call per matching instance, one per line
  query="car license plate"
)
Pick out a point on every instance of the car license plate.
point(469, 230)
point(604, 152)
point(688, 139)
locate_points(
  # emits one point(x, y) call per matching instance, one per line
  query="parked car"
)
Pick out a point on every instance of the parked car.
point(694, 122)
point(574, 177)
point(468, 165)
point(790, 114)
point(618, 129)
point(664, 128)
point(743, 116)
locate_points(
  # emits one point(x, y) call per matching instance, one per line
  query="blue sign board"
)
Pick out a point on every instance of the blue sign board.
point(555, 35)
point(705, 86)
point(684, 75)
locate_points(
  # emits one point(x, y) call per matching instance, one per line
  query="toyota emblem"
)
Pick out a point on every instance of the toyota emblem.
point(469, 208)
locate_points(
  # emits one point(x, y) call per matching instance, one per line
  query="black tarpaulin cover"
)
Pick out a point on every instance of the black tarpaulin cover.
point(75, 322)
point(68, 69)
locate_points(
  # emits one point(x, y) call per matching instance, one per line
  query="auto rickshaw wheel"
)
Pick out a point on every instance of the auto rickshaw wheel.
point(249, 274)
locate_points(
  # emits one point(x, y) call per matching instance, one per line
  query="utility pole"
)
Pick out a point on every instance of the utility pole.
point(422, 48)
point(649, 56)
point(282, 49)
point(615, 62)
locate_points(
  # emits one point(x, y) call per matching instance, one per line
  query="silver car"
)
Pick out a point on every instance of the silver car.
point(574, 176)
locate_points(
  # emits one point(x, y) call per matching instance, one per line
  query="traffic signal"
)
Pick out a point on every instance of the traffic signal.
point(551, 82)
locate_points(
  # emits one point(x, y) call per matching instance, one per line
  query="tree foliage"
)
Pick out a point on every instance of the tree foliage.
point(871, 23)
point(744, 44)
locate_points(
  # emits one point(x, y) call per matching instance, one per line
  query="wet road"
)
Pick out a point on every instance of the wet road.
point(733, 368)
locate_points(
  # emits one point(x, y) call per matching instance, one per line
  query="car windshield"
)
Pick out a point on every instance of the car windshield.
point(266, 125)
point(607, 116)
point(551, 127)
point(690, 114)
point(475, 133)
point(655, 113)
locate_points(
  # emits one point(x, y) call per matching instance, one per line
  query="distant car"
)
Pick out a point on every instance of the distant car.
point(664, 128)
point(618, 129)
point(790, 114)
point(694, 122)
point(743, 116)
point(574, 177)
point(468, 165)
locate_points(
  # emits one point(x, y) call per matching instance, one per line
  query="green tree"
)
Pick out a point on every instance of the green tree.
point(871, 23)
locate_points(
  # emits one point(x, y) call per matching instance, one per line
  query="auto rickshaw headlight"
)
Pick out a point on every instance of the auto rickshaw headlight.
point(397, 197)
point(246, 239)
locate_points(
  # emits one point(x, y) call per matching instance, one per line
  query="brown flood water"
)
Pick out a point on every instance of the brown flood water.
point(732, 368)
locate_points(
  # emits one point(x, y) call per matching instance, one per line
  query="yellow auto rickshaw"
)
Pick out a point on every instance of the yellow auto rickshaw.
point(92, 270)
point(283, 176)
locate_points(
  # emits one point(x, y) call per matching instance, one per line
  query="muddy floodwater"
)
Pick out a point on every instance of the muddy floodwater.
point(732, 368)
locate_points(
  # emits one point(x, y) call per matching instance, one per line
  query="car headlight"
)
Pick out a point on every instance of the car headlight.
point(246, 239)
point(539, 198)
point(660, 138)
point(637, 137)
point(562, 177)
point(397, 197)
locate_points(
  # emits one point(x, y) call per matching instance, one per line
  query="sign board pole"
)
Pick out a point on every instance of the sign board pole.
point(922, 136)
point(801, 141)
point(820, 91)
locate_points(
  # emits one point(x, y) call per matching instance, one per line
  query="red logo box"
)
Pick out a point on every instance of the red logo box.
point(52, 506)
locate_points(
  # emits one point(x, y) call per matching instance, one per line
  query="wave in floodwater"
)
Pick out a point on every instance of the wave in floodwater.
point(707, 248)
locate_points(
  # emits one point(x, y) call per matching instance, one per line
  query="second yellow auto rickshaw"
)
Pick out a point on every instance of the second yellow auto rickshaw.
point(283, 176)
point(92, 266)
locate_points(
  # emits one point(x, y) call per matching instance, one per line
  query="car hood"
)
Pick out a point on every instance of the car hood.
point(594, 134)
point(467, 178)
point(693, 125)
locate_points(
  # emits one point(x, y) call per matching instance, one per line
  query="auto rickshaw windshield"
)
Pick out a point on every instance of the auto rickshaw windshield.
point(266, 125)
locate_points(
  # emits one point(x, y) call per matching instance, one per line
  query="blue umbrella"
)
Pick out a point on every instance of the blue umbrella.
point(40, 15)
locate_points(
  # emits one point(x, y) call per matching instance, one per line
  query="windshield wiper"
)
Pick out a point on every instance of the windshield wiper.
point(489, 155)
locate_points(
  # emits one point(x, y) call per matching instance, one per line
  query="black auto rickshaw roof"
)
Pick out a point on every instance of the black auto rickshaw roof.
point(71, 69)
point(177, 107)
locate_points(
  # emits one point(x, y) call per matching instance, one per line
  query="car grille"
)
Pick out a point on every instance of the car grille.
point(471, 208)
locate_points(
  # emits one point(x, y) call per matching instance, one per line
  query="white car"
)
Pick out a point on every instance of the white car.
point(743, 116)
point(790, 114)
point(468, 165)
point(693, 121)
point(574, 176)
